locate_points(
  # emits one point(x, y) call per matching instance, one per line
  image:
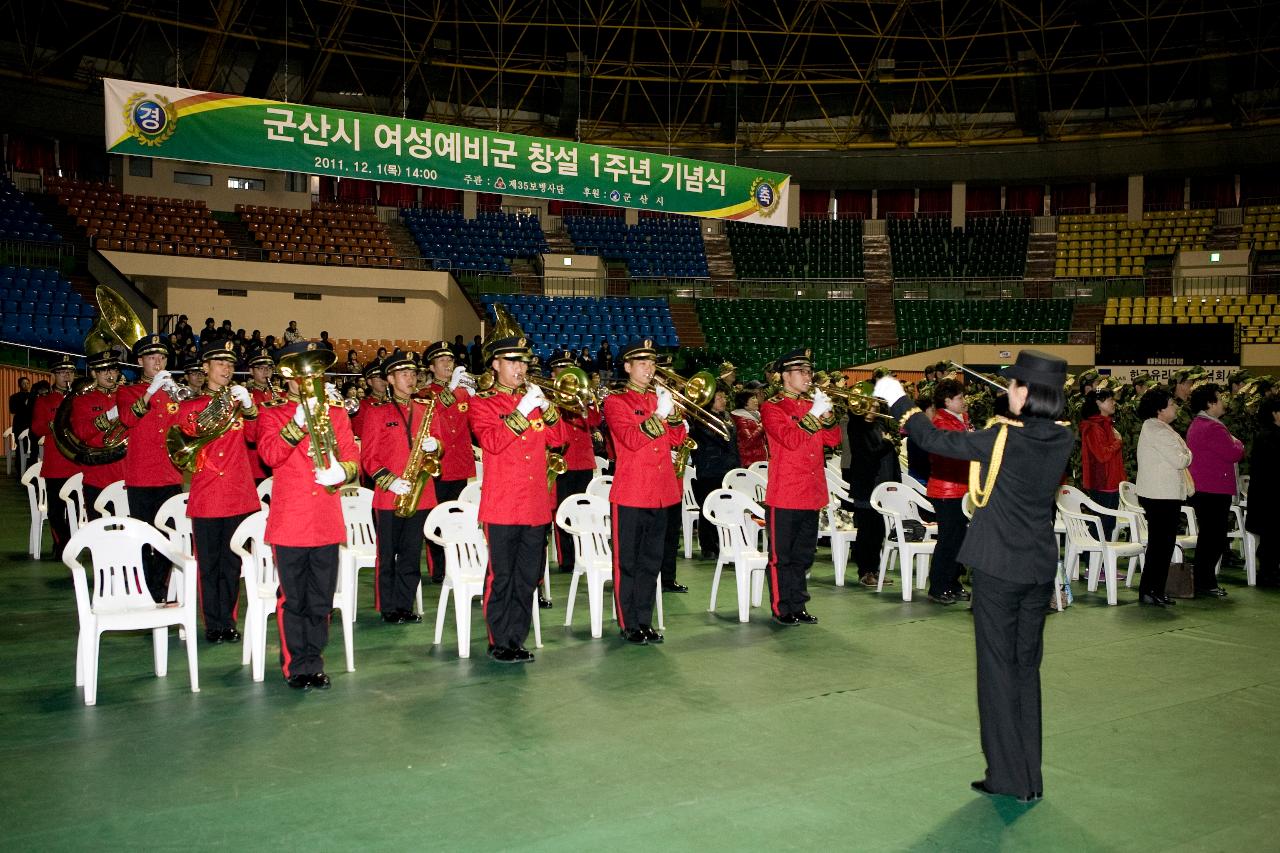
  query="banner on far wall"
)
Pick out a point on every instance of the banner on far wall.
point(144, 120)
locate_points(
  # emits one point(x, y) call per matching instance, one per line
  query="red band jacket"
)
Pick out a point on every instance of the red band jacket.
point(514, 449)
point(644, 475)
point(797, 462)
point(451, 425)
point(56, 466)
point(89, 423)
point(390, 430)
point(222, 483)
point(147, 462)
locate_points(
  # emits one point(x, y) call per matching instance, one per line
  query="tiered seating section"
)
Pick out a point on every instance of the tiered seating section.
point(1261, 228)
point(1258, 315)
point(750, 332)
point(39, 307)
point(934, 322)
point(334, 233)
point(367, 349)
point(820, 248)
point(19, 219)
point(987, 247)
point(573, 322)
point(1107, 244)
point(658, 247)
point(484, 244)
point(129, 223)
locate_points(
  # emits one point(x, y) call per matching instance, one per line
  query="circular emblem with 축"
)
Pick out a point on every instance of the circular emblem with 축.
point(765, 195)
point(150, 119)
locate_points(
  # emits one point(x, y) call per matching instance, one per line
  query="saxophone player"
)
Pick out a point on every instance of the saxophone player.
point(93, 415)
point(222, 488)
point(453, 399)
point(390, 431)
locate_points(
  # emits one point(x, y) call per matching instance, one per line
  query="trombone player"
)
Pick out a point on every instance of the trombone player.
point(579, 455)
point(260, 388)
point(451, 386)
point(94, 415)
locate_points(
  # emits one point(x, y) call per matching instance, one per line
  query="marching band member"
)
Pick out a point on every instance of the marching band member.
point(377, 382)
point(194, 374)
point(514, 431)
point(305, 526)
point(448, 383)
point(222, 489)
point(149, 475)
point(260, 388)
point(57, 469)
point(646, 426)
point(93, 414)
point(579, 460)
point(798, 430)
point(673, 526)
point(390, 430)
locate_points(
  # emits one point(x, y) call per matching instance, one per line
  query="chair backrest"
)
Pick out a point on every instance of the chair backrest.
point(732, 512)
point(264, 492)
point(916, 486)
point(257, 562)
point(357, 514)
point(172, 521)
point(25, 448)
point(114, 580)
point(1081, 530)
point(72, 492)
point(900, 499)
point(751, 484)
point(601, 463)
point(1129, 496)
point(36, 496)
point(455, 527)
point(113, 500)
point(837, 486)
point(687, 499)
point(761, 468)
point(586, 519)
point(600, 486)
point(470, 493)
point(1069, 497)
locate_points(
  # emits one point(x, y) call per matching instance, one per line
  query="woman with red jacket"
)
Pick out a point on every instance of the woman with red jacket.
point(752, 446)
point(948, 482)
point(1101, 454)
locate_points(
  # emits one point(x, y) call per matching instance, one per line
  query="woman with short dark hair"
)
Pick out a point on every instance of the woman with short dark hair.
point(1101, 454)
point(1214, 454)
point(1163, 458)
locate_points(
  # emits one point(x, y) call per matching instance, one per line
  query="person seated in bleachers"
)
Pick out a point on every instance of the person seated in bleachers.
point(291, 334)
point(209, 332)
point(325, 343)
point(353, 363)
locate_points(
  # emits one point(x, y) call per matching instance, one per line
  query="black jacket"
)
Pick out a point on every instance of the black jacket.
point(1011, 537)
point(714, 456)
point(1264, 481)
point(872, 459)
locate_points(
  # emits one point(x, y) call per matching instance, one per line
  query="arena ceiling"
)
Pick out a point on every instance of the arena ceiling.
point(764, 75)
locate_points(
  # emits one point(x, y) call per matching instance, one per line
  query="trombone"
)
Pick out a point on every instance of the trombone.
point(976, 375)
point(857, 404)
point(693, 395)
point(571, 390)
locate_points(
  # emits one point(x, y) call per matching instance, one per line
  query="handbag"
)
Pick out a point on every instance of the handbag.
point(1181, 582)
point(912, 530)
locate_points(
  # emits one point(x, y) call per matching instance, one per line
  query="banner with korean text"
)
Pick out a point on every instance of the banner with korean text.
point(183, 124)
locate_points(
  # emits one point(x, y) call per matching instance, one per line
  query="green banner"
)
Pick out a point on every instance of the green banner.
point(206, 127)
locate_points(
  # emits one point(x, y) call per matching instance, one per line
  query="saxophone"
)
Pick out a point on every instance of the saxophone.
point(421, 466)
point(682, 456)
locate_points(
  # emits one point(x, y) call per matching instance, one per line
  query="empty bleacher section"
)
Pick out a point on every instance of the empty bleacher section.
point(987, 247)
point(330, 233)
point(40, 308)
point(750, 332)
point(925, 323)
point(1261, 228)
point(573, 322)
point(487, 243)
point(819, 248)
point(657, 247)
point(1257, 315)
point(1107, 244)
point(118, 222)
point(19, 219)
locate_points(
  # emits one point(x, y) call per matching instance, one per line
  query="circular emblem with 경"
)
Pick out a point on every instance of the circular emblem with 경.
point(150, 119)
point(765, 195)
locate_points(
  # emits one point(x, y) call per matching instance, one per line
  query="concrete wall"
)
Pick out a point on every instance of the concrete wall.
point(217, 196)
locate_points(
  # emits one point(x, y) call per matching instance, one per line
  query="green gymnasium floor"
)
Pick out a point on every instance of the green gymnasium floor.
point(859, 733)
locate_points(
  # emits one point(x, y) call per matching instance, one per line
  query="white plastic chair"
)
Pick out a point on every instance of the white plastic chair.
point(601, 464)
point(751, 484)
point(689, 512)
point(899, 502)
point(26, 450)
point(471, 493)
point(113, 500)
point(454, 526)
point(733, 515)
point(1130, 503)
point(362, 538)
point(112, 595)
point(10, 450)
point(1084, 536)
point(172, 521)
point(761, 468)
point(841, 538)
point(600, 486)
point(264, 493)
point(72, 494)
point(38, 501)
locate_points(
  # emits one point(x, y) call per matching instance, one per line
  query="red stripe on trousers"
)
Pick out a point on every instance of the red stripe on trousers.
point(488, 589)
point(773, 564)
point(286, 659)
point(617, 570)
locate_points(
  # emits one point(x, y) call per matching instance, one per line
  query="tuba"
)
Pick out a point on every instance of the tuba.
point(307, 369)
point(212, 423)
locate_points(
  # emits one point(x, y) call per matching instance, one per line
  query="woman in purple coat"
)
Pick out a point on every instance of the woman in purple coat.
point(1214, 454)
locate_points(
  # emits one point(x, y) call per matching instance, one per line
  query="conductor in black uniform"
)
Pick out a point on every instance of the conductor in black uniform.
point(1013, 553)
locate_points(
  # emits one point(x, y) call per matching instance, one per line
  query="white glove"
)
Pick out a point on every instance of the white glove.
point(331, 476)
point(666, 403)
point(888, 389)
point(163, 379)
point(300, 416)
point(399, 486)
point(429, 444)
point(113, 413)
point(241, 395)
point(532, 399)
point(459, 376)
point(821, 403)
point(331, 391)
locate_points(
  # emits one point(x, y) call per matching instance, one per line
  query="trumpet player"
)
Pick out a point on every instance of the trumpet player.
point(222, 489)
point(452, 388)
point(260, 388)
point(798, 427)
point(579, 457)
point(94, 414)
point(149, 475)
point(390, 430)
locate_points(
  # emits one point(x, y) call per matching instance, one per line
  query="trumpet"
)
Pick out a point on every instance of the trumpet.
point(857, 404)
point(569, 390)
point(693, 395)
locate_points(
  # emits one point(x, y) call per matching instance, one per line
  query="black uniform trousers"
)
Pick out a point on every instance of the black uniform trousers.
point(1162, 532)
point(516, 555)
point(399, 567)
point(639, 536)
point(219, 569)
point(1211, 541)
point(144, 503)
point(866, 548)
point(671, 543)
point(308, 580)
point(944, 569)
point(1008, 630)
point(1268, 557)
point(446, 490)
point(793, 541)
point(569, 483)
point(90, 498)
point(708, 535)
point(59, 526)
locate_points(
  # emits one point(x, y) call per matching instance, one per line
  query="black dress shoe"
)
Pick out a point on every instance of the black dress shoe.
point(634, 636)
point(961, 594)
point(408, 617)
point(393, 617)
point(503, 654)
point(521, 655)
point(650, 634)
point(1216, 592)
point(946, 599)
point(320, 681)
point(1149, 598)
point(787, 619)
point(299, 682)
point(674, 587)
point(213, 636)
point(544, 602)
point(805, 617)
point(981, 787)
point(437, 579)
point(1167, 601)
point(231, 635)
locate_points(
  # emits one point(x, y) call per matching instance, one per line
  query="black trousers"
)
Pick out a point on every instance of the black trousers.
point(671, 543)
point(944, 569)
point(516, 554)
point(1212, 511)
point(568, 483)
point(639, 536)
point(144, 503)
point(1162, 532)
point(59, 527)
point(219, 569)
point(708, 538)
point(1268, 557)
point(866, 548)
point(90, 498)
point(1111, 500)
point(399, 567)
point(1008, 630)
point(446, 490)
point(308, 580)
point(793, 541)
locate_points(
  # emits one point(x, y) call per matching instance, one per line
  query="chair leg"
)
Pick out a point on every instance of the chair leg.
point(160, 650)
point(573, 591)
point(81, 640)
point(441, 609)
point(193, 664)
point(757, 587)
point(250, 629)
point(462, 617)
point(417, 600)
point(348, 636)
point(689, 522)
point(93, 643)
point(546, 577)
point(658, 603)
point(537, 624)
point(257, 649)
point(1111, 561)
point(742, 575)
point(595, 601)
point(906, 567)
point(1249, 543)
point(715, 583)
point(839, 556)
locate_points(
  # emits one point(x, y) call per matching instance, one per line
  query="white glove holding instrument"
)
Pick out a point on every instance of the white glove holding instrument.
point(163, 379)
point(666, 403)
point(113, 413)
point(331, 391)
point(821, 403)
point(300, 416)
point(242, 396)
point(459, 376)
point(429, 444)
point(532, 399)
point(331, 476)
point(400, 486)
point(888, 389)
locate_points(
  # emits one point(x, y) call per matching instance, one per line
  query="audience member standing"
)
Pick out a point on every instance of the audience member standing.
point(1214, 454)
point(712, 459)
point(1101, 454)
point(873, 460)
point(752, 445)
point(1264, 492)
point(21, 405)
point(1162, 487)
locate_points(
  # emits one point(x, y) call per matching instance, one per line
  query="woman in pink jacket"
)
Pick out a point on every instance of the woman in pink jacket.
point(1214, 454)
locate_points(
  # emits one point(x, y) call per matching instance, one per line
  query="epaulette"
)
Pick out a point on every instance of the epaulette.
point(1066, 424)
point(487, 393)
point(277, 401)
point(376, 403)
point(777, 398)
